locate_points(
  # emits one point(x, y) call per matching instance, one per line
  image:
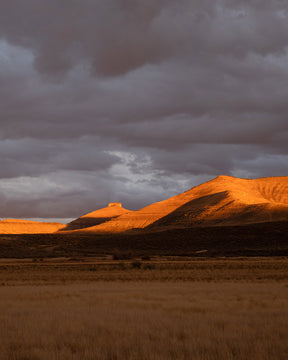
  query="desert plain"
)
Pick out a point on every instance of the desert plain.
point(202, 275)
point(161, 308)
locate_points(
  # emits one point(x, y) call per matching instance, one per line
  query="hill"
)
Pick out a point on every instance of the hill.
point(225, 216)
point(16, 226)
point(113, 210)
point(223, 201)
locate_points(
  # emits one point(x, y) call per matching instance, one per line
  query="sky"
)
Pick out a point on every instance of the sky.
point(135, 101)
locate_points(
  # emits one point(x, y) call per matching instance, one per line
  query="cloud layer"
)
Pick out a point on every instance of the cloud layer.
point(136, 101)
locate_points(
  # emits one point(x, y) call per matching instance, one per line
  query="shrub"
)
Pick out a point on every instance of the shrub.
point(92, 268)
point(148, 266)
point(136, 264)
point(122, 255)
point(122, 265)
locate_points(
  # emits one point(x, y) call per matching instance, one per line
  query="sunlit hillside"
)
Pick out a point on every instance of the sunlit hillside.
point(224, 200)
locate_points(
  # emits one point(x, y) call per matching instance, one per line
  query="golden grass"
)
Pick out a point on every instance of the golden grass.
point(157, 269)
point(65, 311)
point(144, 321)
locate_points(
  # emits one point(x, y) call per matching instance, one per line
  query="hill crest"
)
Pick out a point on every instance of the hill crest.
point(113, 210)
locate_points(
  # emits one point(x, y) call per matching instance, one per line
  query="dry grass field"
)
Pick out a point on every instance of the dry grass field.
point(157, 309)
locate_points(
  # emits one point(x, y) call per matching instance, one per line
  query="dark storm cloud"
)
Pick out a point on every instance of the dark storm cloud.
point(26, 157)
point(135, 101)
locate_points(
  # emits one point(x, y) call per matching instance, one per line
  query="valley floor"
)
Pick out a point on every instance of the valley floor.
point(161, 308)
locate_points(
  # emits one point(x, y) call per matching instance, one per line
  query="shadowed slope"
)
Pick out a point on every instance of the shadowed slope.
point(15, 226)
point(224, 200)
point(220, 210)
point(96, 217)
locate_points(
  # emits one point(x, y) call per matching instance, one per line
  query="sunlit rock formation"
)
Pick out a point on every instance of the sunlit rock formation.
point(222, 201)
